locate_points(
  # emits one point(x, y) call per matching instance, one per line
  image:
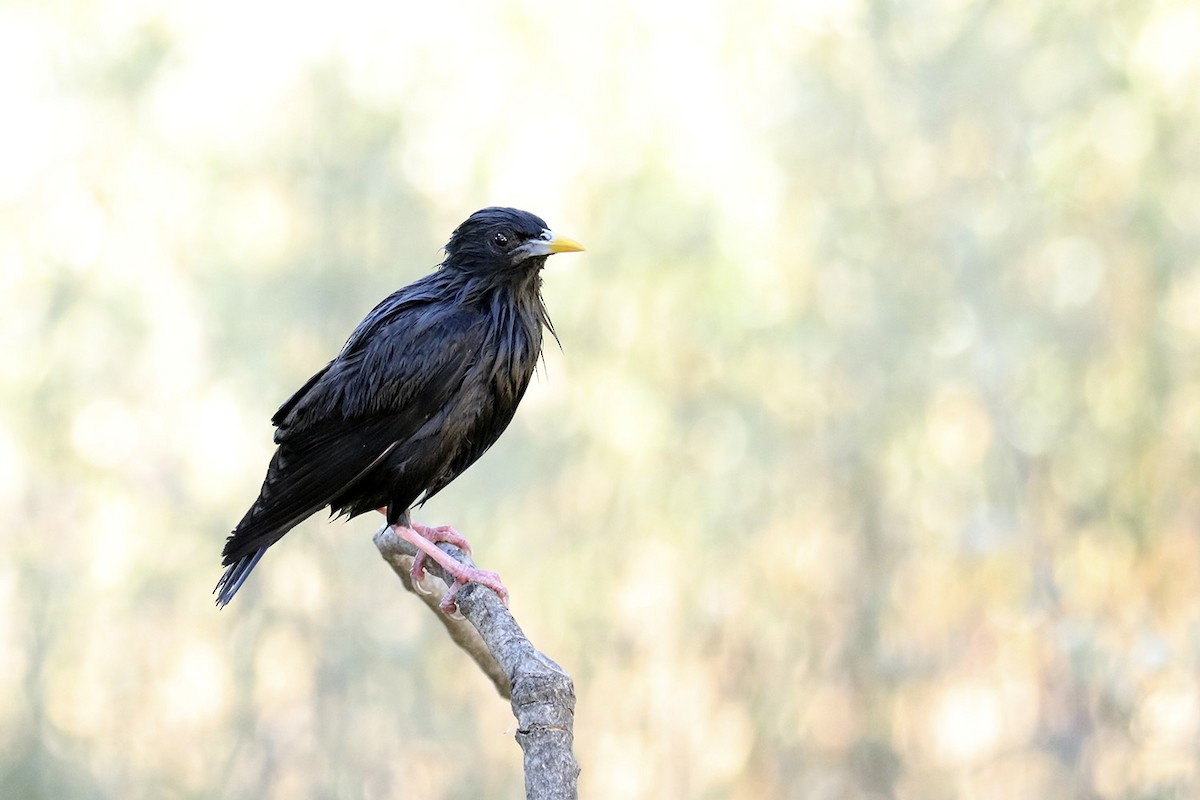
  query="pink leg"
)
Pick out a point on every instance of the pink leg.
point(440, 533)
point(462, 574)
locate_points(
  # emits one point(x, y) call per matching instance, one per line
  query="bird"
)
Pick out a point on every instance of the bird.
point(425, 384)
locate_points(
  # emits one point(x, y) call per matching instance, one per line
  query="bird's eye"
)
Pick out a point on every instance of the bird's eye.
point(500, 239)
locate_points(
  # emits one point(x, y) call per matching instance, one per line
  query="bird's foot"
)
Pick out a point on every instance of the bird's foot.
point(441, 533)
point(467, 575)
point(423, 538)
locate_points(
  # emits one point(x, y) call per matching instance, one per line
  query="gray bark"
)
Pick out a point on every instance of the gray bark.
point(541, 692)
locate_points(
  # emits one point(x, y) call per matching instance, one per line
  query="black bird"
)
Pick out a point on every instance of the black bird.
point(422, 388)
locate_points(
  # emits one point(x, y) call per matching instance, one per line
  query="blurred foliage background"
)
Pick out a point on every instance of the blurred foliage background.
point(867, 469)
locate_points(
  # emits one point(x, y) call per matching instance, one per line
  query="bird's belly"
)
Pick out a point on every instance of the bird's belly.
point(452, 439)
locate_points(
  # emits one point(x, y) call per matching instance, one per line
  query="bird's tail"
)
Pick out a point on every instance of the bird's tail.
point(235, 575)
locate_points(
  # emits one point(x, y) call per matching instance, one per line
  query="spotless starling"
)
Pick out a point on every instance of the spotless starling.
point(422, 388)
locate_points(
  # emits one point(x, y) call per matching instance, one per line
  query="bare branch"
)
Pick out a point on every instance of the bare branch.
point(541, 692)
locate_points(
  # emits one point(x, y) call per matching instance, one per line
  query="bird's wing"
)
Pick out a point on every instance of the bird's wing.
point(401, 323)
point(369, 400)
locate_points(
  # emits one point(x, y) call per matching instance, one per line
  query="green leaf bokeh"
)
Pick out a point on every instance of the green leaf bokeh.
point(867, 468)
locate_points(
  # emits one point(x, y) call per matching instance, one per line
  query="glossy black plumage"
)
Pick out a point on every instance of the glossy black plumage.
point(422, 388)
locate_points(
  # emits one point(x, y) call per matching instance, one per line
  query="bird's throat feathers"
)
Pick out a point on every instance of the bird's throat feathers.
point(516, 319)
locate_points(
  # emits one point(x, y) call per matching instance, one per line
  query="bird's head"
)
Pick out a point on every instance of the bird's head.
point(499, 243)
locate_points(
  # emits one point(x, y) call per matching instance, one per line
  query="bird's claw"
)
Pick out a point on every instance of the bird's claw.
point(417, 572)
point(491, 580)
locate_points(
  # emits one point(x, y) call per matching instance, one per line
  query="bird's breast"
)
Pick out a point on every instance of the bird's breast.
point(517, 360)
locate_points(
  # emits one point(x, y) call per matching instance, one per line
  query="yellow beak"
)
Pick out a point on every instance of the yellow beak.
point(561, 244)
